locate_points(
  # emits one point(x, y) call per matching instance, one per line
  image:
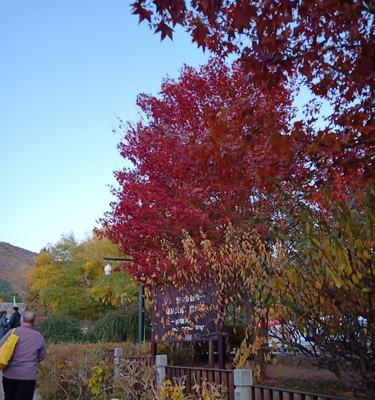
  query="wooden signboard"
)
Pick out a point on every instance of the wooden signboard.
point(186, 315)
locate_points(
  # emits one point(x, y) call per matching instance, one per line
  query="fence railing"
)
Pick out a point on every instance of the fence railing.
point(227, 379)
point(194, 376)
point(260, 392)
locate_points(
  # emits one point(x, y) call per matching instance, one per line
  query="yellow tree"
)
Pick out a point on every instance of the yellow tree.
point(324, 291)
point(68, 280)
point(240, 265)
point(318, 282)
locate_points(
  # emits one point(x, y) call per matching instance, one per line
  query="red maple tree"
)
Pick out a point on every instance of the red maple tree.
point(211, 148)
point(327, 45)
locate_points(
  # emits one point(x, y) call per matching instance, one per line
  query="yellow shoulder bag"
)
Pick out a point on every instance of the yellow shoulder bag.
point(7, 349)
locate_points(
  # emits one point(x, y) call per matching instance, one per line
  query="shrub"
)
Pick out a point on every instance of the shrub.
point(78, 371)
point(57, 329)
point(81, 371)
point(136, 380)
point(115, 326)
point(65, 372)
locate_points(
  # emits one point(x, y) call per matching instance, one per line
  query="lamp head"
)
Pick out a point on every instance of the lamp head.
point(108, 269)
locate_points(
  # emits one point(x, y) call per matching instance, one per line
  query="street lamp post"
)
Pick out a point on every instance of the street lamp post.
point(141, 314)
point(141, 296)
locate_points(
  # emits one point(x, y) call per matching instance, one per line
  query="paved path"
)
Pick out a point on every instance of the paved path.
point(36, 396)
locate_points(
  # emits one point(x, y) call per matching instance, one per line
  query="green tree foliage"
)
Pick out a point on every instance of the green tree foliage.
point(5, 287)
point(68, 280)
point(115, 290)
point(116, 326)
point(7, 292)
point(60, 329)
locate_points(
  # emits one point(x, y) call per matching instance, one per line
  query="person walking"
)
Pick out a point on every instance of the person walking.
point(19, 377)
point(15, 318)
point(3, 323)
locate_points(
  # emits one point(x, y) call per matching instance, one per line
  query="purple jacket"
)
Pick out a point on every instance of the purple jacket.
point(30, 350)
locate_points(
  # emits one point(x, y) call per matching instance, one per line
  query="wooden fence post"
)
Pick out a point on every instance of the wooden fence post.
point(211, 361)
point(243, 380)
point(161, 362)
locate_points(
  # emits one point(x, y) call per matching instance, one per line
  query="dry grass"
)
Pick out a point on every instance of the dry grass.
point(65, 373)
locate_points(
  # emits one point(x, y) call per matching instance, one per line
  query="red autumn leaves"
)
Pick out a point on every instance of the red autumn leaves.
point(211, 148)
point(223, 144)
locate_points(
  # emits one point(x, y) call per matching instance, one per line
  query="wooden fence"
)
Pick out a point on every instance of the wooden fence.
point(225, 377)
point(198, 375)
point(259, 392)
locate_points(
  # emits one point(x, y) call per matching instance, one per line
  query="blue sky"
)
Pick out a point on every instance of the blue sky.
point(67, 69)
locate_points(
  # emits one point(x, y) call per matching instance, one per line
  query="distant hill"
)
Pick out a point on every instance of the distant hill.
point(15, 263)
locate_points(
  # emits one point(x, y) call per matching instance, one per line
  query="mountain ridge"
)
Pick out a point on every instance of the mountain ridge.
point(15, 263)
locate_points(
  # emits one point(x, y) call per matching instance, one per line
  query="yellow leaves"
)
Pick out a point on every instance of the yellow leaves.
point(292, 276)
point(203, 390)
point(274, 344)
point(367, 255)
point(277, 283)
point(42, 276)
point(242, 355)
point(247, 350)
point(42, 259)
point(248, 281)
point(355, 279)
point(267, 358)
point(98, 376)
point(326, 244)
point(347, 268)
point(172, 392)
point(318, 284)
point(257, 371)
point(337, 281)
point(208, 391)
point(257, 294)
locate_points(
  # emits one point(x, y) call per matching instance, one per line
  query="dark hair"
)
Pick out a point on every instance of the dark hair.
point(15, 308)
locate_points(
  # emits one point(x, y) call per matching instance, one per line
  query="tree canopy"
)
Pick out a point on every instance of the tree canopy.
point(230, 184)
point(200, 158)
point(326, 45)
point(68, 280)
